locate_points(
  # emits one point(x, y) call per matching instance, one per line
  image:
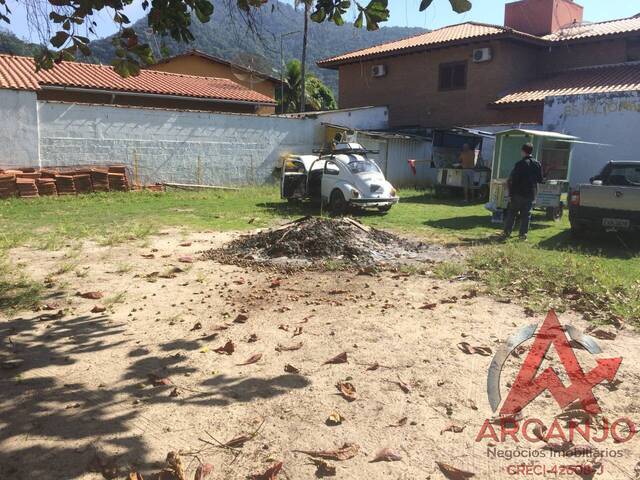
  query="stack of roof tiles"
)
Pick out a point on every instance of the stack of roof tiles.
point(26, 187)
point(100, 179)
point(82, 183)
point(7, 185)
point(46, 186)
point(65, 185)
point(118, 178)
point(29, 182)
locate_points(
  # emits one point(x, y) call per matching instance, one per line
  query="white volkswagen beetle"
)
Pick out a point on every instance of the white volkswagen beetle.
point(341, 178)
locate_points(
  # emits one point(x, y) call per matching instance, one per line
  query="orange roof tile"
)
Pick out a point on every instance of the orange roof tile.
point(19, 73)
point(601, 79)
point(589, 30)
point(474, 31)
point(453, 33)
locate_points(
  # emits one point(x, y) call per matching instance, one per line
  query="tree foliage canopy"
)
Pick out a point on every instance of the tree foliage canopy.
point(170, 18)
point(317, 95)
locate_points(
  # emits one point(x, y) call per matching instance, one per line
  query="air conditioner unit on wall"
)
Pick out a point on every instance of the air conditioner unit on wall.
point(379, 70)
point(482, 54)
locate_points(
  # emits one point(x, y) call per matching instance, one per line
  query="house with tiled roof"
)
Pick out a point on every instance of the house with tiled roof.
point(194, 62)
point(476, 74)
point(75, 82)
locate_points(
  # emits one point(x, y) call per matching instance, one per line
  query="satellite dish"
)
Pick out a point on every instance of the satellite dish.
point(250, 68)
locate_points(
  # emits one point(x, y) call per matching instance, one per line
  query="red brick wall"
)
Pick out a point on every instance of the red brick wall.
point(602, 52)
point(410, 88)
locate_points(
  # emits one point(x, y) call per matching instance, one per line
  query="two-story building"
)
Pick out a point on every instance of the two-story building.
point(475, 74)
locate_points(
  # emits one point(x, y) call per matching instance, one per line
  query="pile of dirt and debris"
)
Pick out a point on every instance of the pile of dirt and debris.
point(310, 240)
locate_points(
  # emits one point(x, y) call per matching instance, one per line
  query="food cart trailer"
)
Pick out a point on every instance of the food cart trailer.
point(552, 150)
point(447, 145)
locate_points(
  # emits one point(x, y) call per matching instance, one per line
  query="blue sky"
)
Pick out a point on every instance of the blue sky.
point(403, 13)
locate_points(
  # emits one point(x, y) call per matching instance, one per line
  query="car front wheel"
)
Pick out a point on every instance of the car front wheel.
point(337, 202)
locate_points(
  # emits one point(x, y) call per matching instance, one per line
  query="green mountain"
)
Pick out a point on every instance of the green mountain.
point(234, 37)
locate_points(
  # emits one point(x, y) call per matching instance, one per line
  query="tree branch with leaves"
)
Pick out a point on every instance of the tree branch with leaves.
point(74, 21)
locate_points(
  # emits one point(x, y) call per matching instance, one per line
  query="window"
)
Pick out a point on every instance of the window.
point(624, 176)
point(331, 168)
point(453, 76)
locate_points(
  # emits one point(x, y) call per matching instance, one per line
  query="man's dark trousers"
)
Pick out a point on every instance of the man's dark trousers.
point(522, 205)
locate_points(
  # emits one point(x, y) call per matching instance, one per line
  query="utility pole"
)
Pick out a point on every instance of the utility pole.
point(282, 66)
point(303, 97)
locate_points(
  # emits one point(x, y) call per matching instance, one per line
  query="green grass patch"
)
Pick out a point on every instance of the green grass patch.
point(597, 275)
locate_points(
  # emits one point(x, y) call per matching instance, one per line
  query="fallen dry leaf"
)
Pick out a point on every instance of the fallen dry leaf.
point(291, 369)
point(91, 295)
point(239, 441)
point(400, 423)
point(51, 316)
point(241, 318)
point(289, 348)
point(148, 255)
point(347, 390)
point(373, 366)
point(452, 428)
point(185, 244)
point(334, 418)
point(347, 451)
point(252, 359)
point(270, 474)
point(453, 473)
point(386, 455)
point(157, 380)
point(107, 467)
point(185, 259)
point(602, 334)
point(98, 309)
point(252, 338)
point(228, 348)
point(428, 306)
point(323, 469)
point(203, 471)
point(465, 347)
point(340, 358)
point(173, 469)
point(403, 386)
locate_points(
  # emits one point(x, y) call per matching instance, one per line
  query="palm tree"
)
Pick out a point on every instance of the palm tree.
point(317, 96)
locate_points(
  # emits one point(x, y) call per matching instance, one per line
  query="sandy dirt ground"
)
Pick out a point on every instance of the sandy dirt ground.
point(115, 391)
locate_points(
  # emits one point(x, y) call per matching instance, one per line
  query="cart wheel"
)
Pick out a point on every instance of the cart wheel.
point(484, 193)
point(554, 213)
point(337, 203)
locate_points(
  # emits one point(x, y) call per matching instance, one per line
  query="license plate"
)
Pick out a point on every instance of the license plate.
point(615, 222)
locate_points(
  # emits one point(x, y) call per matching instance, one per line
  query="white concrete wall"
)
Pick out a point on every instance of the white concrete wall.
point(18, 128)
point(184, 147)
point(601, 118)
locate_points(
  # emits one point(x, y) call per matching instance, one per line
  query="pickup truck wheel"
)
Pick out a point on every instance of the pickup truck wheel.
point(577, 231)
point(337, 203)
point(554, 213)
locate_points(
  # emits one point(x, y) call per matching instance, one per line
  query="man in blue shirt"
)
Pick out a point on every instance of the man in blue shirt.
point(523, 187)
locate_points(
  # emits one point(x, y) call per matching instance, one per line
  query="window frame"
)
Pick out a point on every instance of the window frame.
point(452, 66)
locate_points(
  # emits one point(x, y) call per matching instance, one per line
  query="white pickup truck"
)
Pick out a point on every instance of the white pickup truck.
point(610, 202)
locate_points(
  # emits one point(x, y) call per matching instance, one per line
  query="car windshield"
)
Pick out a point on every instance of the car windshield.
point(359, 164)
